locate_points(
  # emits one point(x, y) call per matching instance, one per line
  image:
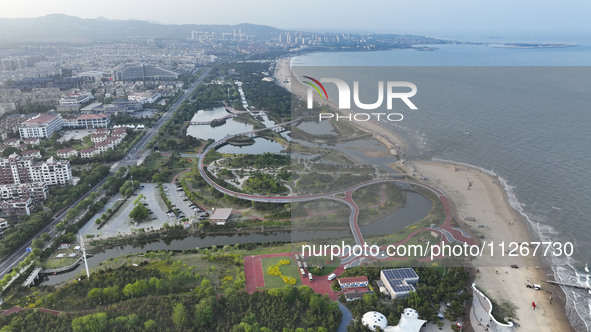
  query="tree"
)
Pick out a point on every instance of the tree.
point(95, 295)
point(156, 284)
point(111, 294)
point(45, 236)
point(204, 313)
point(179, 315)
point(150, 325)
point(92, 323)
point(139, 213)
point(138, 288)
point(37, 243)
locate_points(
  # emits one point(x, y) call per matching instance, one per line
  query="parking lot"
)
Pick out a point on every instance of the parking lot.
point(74, 134)
point(178, 198)
point(120, 223)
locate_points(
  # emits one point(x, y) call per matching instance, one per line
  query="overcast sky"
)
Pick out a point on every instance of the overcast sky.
point(432, 17)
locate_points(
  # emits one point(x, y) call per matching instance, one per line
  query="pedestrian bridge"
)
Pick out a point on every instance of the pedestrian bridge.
point(32, 277)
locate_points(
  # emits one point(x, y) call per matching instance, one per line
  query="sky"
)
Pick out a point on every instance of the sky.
point(429, 17)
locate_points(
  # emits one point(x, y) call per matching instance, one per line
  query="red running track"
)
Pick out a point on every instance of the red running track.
point(253, 270)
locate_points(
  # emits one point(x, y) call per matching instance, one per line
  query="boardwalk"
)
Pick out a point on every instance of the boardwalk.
point(450, 233)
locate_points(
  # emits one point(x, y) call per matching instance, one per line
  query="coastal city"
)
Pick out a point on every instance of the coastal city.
point(162, 177)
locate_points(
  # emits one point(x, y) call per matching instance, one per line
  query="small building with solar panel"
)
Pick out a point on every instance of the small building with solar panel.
point(399, 282)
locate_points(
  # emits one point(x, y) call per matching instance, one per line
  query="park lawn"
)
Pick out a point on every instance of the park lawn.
point(290, 270)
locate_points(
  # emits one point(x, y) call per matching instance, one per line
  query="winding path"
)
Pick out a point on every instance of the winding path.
point(450, 233)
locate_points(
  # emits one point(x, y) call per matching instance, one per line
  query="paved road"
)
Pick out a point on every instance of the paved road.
point(134, 156)
point(138, 151)
point(19, 255)
point(346, 319)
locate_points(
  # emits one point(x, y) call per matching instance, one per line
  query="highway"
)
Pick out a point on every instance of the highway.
point(20, 254)
point(135, 153)
point(138, 151)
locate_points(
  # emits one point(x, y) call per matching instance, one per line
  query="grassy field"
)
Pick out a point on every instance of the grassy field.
point(54, 263)
point(290, 270)
point(215, 269)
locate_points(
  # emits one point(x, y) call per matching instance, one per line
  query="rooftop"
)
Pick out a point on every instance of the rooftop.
point(221, 214)
point(91, 149)
point(353, 279)
point(403, 273)
point(373, 320)
point(409, 322)
point(30, 152)
point(93, 116)
point(104, 143)
point(42, 119)
point(399, 279)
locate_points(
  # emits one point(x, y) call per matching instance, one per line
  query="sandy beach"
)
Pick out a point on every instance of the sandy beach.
point(487, 203)
point(495, 220)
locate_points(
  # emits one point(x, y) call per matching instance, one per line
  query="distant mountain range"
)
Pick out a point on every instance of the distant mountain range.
point(58, 28)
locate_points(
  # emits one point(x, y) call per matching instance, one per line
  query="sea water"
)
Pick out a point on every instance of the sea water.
point(539, 147)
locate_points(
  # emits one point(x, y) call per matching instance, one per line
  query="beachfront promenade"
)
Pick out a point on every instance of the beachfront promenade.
point(481, 317)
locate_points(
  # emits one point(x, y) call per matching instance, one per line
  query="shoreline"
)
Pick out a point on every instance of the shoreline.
point(489, 203)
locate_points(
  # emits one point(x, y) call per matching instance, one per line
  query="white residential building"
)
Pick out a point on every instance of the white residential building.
point(67, 153)
point(21, 206)
point(14, 142)
point(104, 146)
point(31, 153)
point(38, 191)
point(98, 137)
point(33, 141)
point(51, 171)
point(89, 152)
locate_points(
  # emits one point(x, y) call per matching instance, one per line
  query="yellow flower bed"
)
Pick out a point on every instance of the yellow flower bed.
point(288, 280)
point(274, 270)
